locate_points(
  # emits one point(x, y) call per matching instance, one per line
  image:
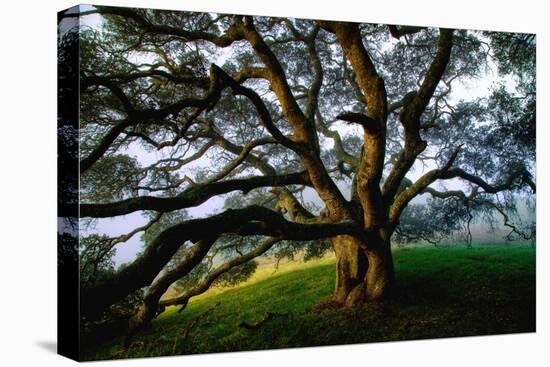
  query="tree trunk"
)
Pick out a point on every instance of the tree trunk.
point(361, 276)
point(351, 266)
point(380, 274)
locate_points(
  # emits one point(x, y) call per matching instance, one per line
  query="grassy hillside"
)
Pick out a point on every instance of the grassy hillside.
point(440, 293)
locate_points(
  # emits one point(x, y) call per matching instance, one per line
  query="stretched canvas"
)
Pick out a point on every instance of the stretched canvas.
point(235, 183)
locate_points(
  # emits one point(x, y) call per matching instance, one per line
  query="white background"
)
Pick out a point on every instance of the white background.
point(28, 183)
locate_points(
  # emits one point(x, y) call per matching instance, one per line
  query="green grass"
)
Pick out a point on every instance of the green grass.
point(440, 293)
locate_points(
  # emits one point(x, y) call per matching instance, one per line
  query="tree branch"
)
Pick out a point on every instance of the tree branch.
point(413, 105)
point(278, 82)
point(400, 31)
point(416, 188)
point(103, 145)
point(193, 196)
point(152, 72)
point(256, 100)
point(205, 284)
point(512, 179)
point(231, 35)
point(136, 116)
point(304, 129)
point(341, 153)
point(253, 220)
point(148, 309)
point(288, 203)
point(241, 158)
point(414, 110)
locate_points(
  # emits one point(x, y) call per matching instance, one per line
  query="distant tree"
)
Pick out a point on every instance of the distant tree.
point(271, 110)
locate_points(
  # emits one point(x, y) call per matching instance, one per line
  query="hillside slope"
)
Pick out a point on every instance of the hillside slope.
point(440, 293)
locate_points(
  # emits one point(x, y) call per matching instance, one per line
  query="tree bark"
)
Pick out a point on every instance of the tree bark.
point(362, 275)
point(380, 274)
point(351, 266)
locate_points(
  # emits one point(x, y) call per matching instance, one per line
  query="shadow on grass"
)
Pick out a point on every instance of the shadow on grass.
point(439, 293)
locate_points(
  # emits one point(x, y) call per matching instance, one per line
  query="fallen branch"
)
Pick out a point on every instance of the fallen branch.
point(267, 316)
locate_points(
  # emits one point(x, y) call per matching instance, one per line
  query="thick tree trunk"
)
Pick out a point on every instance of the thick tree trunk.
point(351, 266)
point(380, 274)
point(361, 275)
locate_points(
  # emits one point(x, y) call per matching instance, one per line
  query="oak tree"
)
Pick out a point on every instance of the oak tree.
point(317, 134)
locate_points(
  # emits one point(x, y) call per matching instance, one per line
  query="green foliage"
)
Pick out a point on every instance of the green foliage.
point(67, 69)
point(167, 220)
point(111, 178)
point(516, 119)
point(430, 222)
point(237, 274)
point(316, 249)
point(96, 258)
point(67, 116)
point(443, 293)
point(67, 250)
point(515, 54)
point(192, 278)
point(226, 248)
point(259, 196)
point(96, 262)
